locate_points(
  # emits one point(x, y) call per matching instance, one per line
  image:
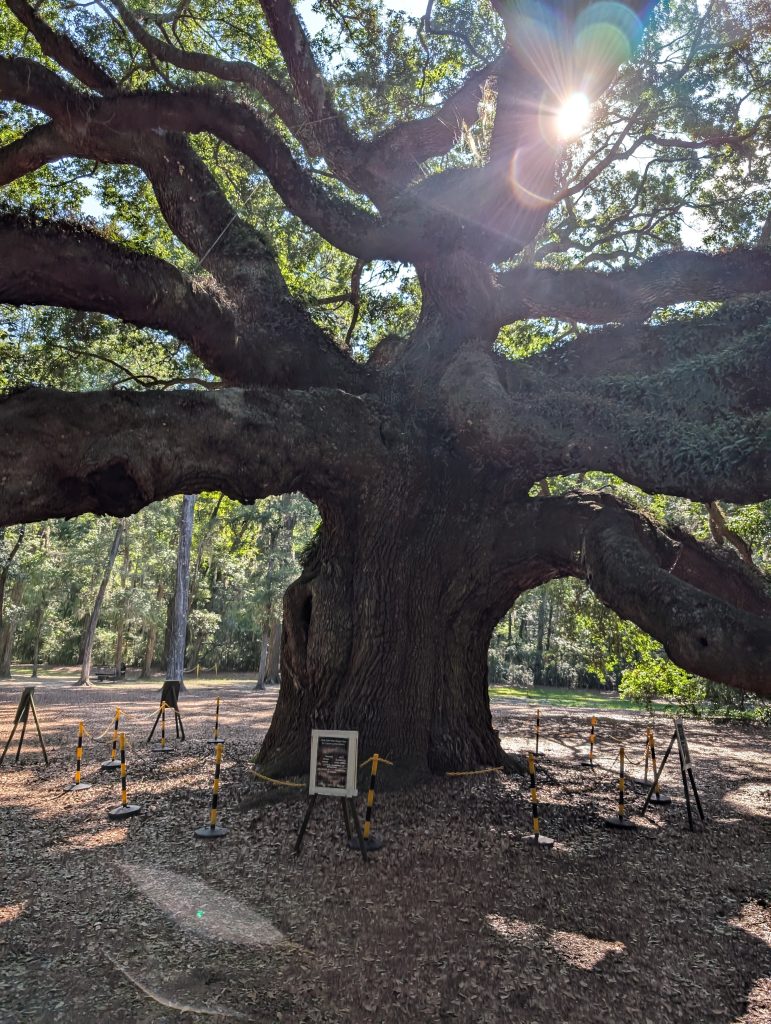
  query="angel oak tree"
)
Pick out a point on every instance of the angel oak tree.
point(422, 458)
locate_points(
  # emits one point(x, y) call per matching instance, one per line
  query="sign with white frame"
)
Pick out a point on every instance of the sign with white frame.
point(334, 762)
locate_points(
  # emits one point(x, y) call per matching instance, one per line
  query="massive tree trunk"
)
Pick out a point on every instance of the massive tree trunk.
point(422, 459)
point(387, 628)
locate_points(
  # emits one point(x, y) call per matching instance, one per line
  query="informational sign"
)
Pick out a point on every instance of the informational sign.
point(334, 756)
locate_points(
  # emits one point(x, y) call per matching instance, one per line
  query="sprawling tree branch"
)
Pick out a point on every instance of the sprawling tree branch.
point(561, 413)
point(712, 614)
point(238, 71)
point(116, 451)
point(202, 110)
point(381, 167)
point(594, 297)
point(396, 154)
point(61, 48)
point(338, 144)
point(41, 145)
point(45, 263)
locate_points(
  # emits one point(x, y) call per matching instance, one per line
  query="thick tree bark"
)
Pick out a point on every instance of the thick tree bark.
point(93, 622)
point(387, 628)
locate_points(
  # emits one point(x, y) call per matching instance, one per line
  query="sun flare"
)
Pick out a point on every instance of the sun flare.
point(573, 115)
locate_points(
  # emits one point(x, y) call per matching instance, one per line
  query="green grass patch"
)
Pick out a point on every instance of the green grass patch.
point(562, 697)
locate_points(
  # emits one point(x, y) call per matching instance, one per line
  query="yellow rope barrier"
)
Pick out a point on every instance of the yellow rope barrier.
point(479, 771)
point(276, 782)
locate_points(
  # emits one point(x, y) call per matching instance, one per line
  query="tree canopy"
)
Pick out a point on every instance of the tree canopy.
point(433, 271)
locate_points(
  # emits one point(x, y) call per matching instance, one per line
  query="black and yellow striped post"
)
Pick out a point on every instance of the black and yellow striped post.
point(372, 841)
point(620, 821)
point(537, 731)
point(213, 830)
point(77, 785)
point(216, 738)
point(647, 754)
point(114, 762)
point(658, 798)
point(535, 838)
point(589, 762)
point(161, 747)
point(125, 810)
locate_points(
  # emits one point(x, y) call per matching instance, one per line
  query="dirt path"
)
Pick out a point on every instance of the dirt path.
point(454, 920)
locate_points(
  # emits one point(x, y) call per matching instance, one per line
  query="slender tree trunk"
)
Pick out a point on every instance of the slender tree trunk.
point(8, 623)
point(121, 624)
point(119, 647)
point(176, 661)
point(93, 622)
point(538, 660)
point(39, 618)
point(273, 673)
point(147, 660)
point(8, 628)
point(264, 644)
point(547, 640)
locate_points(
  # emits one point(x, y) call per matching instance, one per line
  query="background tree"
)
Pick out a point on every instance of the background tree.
point(93, 620)
point(175, 665)
point(549, 323)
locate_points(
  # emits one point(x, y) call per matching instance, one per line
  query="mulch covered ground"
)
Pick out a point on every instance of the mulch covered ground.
point(455, 919)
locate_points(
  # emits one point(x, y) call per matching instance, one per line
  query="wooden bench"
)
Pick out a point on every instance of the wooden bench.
point(111, 672)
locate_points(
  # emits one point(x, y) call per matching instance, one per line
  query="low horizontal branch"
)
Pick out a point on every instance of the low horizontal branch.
point(60, 264)
point(690, 416)
point(114, 452)
point(712, 619)
point(622, 296)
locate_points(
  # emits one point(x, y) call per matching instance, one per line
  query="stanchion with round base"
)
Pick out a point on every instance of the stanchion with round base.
point(161, 747)
point(659, 799)
point(535, 838)
point(125, 810)
point(210, 832)
point(114, 763)
point(77, 785)
point(213, 830)
point(620, 821)
point(216, 738)
point(372, 842)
